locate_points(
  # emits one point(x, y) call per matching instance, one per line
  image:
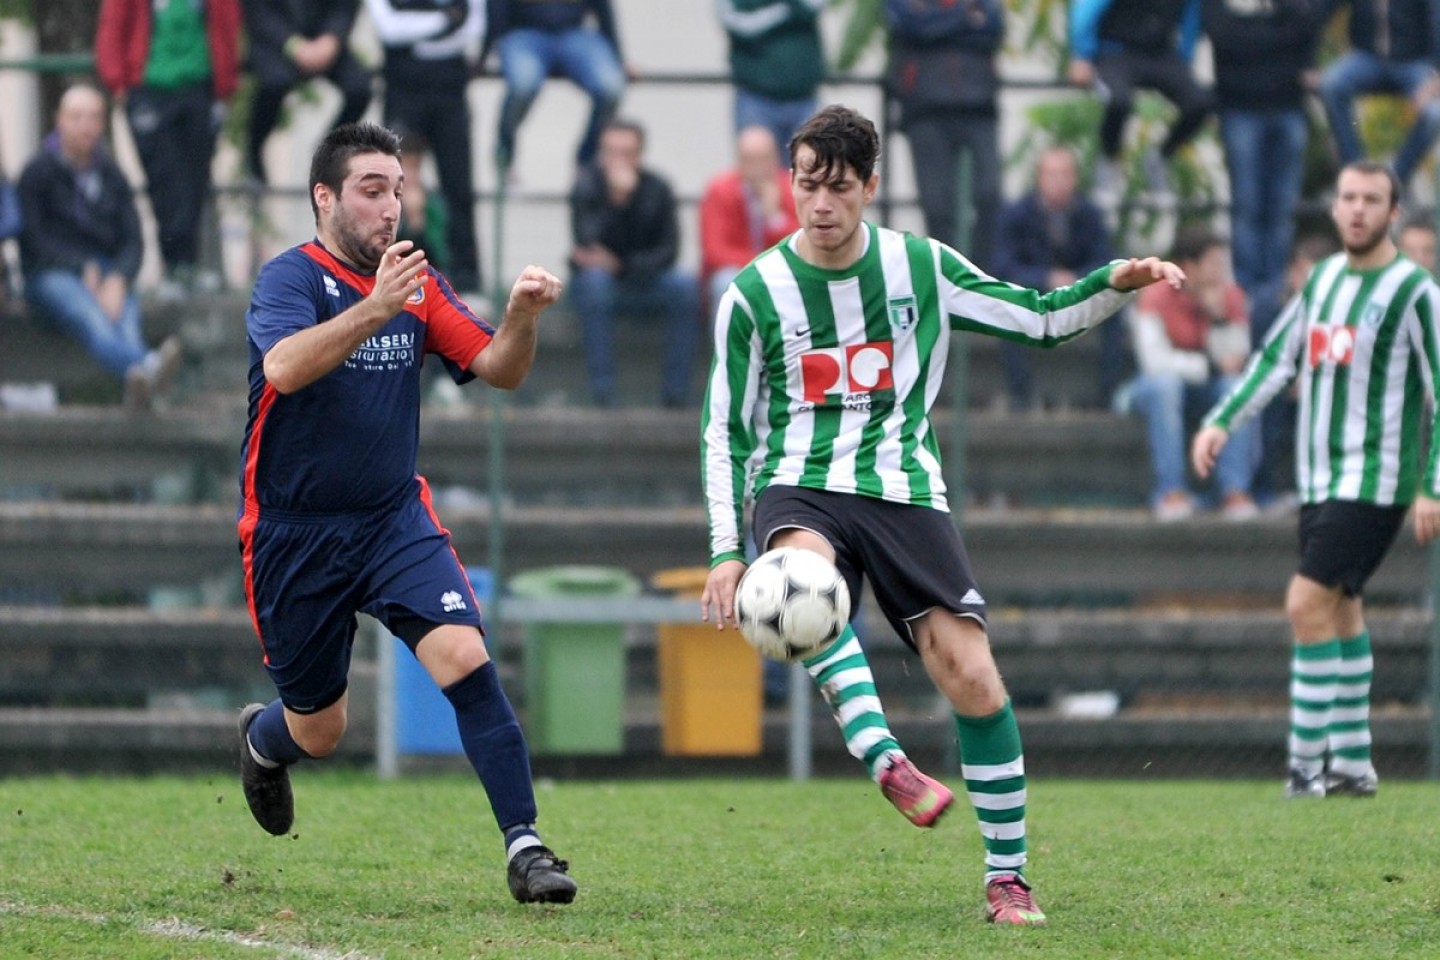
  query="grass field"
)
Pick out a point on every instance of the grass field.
point(174, 868)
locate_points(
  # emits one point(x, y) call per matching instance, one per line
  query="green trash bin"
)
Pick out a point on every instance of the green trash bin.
point(574, 672)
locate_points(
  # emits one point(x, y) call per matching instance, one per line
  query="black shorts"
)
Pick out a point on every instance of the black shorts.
point(913, 556)
point(1342, 542)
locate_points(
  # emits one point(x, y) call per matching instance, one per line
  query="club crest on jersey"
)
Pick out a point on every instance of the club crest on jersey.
point(904, 312)
point(1332, 343)
point(1374, 313)
point(847, 374)
point(418, 296)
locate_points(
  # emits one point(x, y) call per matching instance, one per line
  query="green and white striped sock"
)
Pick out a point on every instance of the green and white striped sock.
point(842, 674)
point(1349, 728)
point(1313, 669)
point(993, 765)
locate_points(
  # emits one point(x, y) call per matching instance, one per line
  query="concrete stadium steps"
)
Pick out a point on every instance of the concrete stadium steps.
point(548, 455)
point(1021, 557)
point(1199, 692)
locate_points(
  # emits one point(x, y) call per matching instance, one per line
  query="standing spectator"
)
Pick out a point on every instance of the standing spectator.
point(334, 519)
point(1119, 46)
point(174, 67)
point(777, 63)
point(626, 238)
point(1190, 345)
point(1362, 337)
point(541, 38)
point(745, 210)
point(1264, 55)
point(1049, 238)
point(80, 248)
point(1417, 241)
point(942, 74)
point(292, 42)
point(1394, 47)
point(428, 50)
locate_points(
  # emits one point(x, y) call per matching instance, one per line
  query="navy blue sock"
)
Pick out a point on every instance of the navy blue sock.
point(270, 736)
point(496, 748)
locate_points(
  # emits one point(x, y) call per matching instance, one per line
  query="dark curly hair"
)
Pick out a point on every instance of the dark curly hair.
point(840, 137)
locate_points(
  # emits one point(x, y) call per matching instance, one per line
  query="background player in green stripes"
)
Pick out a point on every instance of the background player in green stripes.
point(829, 352)
point(1362, 331)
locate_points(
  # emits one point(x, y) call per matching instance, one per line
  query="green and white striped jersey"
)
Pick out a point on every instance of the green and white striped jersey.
point(825, 378)
point(1365, 345)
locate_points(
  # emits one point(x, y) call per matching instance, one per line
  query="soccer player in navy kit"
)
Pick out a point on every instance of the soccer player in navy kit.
point(334, 518)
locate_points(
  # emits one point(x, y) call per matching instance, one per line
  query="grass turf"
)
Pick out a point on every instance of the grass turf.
point(175, 868)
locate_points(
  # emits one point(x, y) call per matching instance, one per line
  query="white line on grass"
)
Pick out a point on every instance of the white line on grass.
point(175, 929)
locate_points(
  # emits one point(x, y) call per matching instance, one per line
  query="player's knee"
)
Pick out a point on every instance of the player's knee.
point(320, 734)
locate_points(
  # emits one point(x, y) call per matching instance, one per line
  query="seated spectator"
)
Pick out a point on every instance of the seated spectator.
point(1417, 241)
point(944, 78)
point(1191, 345)
point(1050, 238)
point(424, 217)
point(174, 67)
point(777, 61)
point(290, 43)
point(1120, 46)
point(745, 210)
point(543, 38)
point(428, 49)
point(80, 248)
point(626, 239)
point(1394, 48)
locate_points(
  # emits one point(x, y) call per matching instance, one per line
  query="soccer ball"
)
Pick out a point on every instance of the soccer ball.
point(792, 603)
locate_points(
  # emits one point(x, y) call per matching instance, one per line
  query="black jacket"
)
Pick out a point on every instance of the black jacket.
point(644, 234)
point(1260, 50)
point(269, 23)
point(1410, 29)
point(64, 228)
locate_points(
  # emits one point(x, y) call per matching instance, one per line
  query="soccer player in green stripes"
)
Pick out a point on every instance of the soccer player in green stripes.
point(829, 352)
point(1362, 332)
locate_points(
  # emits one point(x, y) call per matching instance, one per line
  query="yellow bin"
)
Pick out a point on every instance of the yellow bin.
point(710, 681)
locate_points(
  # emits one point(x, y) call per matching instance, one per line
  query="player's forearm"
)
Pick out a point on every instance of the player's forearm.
point(304, 357)
point(507, 360)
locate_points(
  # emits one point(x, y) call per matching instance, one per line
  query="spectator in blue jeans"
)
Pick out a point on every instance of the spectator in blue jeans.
point(81, 246)
point(538, 39)
point(1394, 48)
point(1190, 346)
point(777, 62)
point(1263, 55)
point(626, 232)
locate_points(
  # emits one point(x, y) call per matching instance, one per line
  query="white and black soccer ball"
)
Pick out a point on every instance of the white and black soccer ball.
point(792, 603)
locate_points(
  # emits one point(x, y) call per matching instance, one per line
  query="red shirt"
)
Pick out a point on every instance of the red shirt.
point(1186, 323)
point(728, 238)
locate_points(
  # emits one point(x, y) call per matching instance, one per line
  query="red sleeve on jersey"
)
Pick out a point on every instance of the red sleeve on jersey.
point(452, 330)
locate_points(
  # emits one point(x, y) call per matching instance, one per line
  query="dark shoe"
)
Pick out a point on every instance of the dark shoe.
point(538, 876)
point(1348, 785)
point(267, 790)
point(1301, 786)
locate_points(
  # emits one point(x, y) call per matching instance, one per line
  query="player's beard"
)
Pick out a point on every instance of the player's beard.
point(359, 247)
point(1368, 242)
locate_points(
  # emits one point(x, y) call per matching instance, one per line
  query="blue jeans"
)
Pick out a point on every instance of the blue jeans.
point(585, 56)
point(780, 117)
point(61, 298)
point(1264, 155)
point(1162, 400)
point(598, 296)
point(1360, 72)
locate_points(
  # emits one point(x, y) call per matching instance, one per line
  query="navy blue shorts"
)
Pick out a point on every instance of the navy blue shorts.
point(307, 577)
point(913, 556)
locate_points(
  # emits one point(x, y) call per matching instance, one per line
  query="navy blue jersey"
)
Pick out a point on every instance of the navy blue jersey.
point(347, 442)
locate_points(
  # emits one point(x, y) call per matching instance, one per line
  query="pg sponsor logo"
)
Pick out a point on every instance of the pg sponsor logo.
point(1332, 343)
point(847, 375)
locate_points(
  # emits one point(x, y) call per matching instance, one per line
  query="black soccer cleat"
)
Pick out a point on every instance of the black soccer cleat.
point(1352, 785)
point(267, 790)
point(538, 876)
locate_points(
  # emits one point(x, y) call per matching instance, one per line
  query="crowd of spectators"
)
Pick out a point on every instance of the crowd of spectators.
point(174, 69)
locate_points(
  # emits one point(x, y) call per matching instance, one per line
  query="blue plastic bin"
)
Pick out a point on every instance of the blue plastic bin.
point(424, 719)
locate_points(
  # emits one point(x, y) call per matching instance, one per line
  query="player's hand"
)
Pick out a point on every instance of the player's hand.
point(1206, 447)
point(535, 289)
point(1427, 519)
point(1081, 73)
point(1133, 274)
point(719, 594)
point(400, 273)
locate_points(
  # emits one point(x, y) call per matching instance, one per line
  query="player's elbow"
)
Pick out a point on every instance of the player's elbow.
point(283, 376)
